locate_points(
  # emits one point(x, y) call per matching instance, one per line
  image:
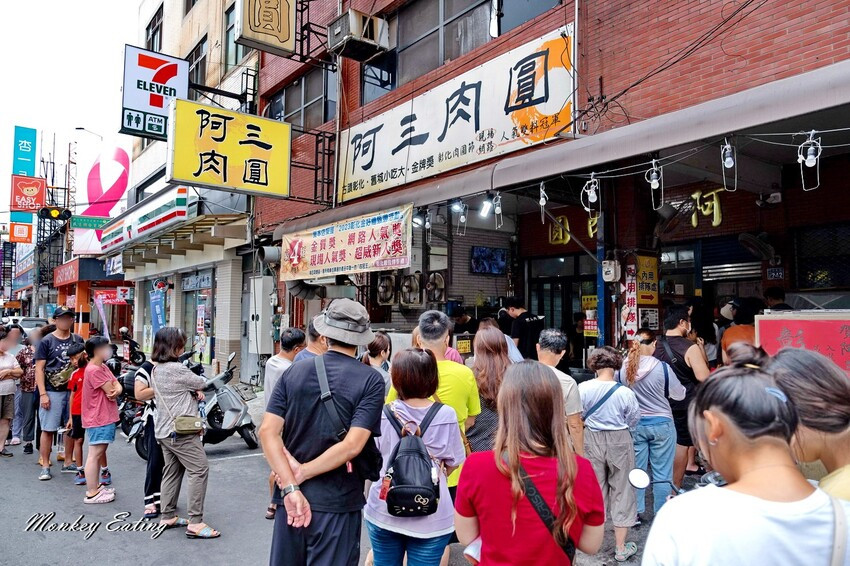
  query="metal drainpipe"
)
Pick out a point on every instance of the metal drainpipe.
point(575, 68)
point(337, 113)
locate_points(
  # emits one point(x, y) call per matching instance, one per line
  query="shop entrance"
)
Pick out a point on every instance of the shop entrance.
point(561, 289)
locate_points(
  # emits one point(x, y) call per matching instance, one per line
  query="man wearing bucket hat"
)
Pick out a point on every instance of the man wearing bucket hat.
point(327, 449)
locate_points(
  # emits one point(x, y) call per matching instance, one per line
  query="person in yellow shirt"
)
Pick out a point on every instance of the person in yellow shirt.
point(457, 387)
point(820, 391)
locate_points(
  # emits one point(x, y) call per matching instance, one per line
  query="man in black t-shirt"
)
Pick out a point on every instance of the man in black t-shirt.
point(525, 329)
point(318, 485)
point(463, 322)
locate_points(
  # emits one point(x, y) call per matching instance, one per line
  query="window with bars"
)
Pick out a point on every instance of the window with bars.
point(822, 257)
point(198, 67)
point(233, 52)
point(308, 102)
point(153, 33)
point(432, 32)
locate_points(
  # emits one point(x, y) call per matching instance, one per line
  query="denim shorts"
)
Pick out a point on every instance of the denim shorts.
point(101, 434)
point(55, 417)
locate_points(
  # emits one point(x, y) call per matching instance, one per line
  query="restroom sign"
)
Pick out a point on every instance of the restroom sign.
point(151, 81)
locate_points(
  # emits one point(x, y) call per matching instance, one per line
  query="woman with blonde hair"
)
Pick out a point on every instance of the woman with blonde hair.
point(491, 362)
point(653, 383)
point(531, 500)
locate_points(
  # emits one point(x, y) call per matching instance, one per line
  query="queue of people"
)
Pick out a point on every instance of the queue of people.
point(504, 443)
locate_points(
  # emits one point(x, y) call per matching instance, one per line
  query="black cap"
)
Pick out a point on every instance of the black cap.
point(63, 311)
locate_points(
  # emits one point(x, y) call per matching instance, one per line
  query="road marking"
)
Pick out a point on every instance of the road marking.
point(235, 457)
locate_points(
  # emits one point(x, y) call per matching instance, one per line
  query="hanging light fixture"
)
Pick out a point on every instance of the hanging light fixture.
point(728, 160)
point(428, 226)
point(808, 154)
point(590, 193)
point(418, 218)
point(497, 210)
point(486, 205)
point(655, 177)
point(462, 216)
point(544, 198)
point(456, 205)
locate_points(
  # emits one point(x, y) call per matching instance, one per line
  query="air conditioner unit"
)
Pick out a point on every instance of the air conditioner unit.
point(358, 36)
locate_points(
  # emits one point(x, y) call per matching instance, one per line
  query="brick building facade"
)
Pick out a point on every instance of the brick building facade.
point(637, 64)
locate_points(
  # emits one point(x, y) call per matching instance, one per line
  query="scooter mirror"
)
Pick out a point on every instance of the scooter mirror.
point(639, 478)
point(231, 357)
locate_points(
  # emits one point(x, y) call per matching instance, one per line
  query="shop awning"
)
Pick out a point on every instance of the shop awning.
point(801, 94)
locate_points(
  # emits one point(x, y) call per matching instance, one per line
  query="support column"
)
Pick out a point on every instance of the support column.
point(140, 304)
point(83, 309)
point(175, 311)
point(228, 312)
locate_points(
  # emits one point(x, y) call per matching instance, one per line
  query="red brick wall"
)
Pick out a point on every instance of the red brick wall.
point(621, 41)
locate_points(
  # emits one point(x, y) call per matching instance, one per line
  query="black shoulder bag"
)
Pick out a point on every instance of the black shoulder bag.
point(368, 463)
point(545, 513)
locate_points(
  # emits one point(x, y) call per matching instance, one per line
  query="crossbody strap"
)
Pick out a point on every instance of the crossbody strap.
point(664, 344)
point(156, 392)
point(839, 541)
point(327, 399)
point(544, 512)
point(666, 380)
point(601, 402)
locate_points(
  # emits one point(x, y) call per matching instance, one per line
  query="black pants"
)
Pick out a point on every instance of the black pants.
point(153, 475)
point(29, 410)
point(332, 539)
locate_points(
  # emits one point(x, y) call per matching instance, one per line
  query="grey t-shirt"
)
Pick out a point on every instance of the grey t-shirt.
point(275, 366)
point(173, 385)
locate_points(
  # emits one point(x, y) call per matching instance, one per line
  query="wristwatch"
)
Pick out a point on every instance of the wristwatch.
point(289, 489)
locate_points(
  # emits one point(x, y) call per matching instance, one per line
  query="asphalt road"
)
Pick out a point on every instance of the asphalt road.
point(236, 500)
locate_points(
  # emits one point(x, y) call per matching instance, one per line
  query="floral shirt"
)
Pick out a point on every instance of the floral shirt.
point(25, 359)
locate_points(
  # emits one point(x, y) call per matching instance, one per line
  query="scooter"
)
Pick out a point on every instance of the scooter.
point(225, 411)
point(137, 432)
point(137, 357)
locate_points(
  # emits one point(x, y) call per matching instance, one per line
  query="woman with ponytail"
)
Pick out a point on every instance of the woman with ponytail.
point(532, 447)
point(743, 423)
point(820, 391)
point(377, 355)
point(654, 383)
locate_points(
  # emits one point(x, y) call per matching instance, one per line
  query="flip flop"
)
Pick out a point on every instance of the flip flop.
point(180, 522)
point(206, 532)
point(151, 512)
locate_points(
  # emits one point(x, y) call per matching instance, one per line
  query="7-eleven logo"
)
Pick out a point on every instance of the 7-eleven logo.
point(165, 71)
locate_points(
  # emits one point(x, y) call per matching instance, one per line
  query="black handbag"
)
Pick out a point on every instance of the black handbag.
point(367, 465)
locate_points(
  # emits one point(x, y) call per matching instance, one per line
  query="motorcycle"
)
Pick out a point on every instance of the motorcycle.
point(137, 432)
point(137, 357)
point(225, 410)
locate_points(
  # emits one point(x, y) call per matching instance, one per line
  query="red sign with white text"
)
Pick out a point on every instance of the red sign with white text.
point(829, 335)
point(28, 193)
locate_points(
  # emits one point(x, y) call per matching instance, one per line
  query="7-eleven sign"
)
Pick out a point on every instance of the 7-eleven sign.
point(151, 81)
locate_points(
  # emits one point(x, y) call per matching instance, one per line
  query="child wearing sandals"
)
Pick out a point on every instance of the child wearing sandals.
point(100, 413)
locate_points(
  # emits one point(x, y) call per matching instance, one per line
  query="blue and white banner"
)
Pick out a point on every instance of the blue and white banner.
point(23, 155)
point(157, 310)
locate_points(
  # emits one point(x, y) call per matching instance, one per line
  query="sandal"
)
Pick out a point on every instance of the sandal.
point(206, 532)
point(151, 511)
point(270, 512)
point(178, 522)
point(102, 496)
point(628, 551)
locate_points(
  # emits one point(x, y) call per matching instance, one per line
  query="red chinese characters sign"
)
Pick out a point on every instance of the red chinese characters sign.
point(373, 242)
point(827, 333)
point(109, 297)
point(66, 273)
point(28, 193)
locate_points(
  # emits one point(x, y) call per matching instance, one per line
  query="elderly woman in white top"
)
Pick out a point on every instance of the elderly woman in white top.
point(609, 411)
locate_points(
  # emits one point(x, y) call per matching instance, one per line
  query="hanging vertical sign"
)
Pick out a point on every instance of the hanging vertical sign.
point(629, 314)
point(157, 310)
point(267, 25)
point(23, 155)
point(151, 81)
point(647, 280)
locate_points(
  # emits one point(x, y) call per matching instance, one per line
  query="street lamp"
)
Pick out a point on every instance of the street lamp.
point(82, 129)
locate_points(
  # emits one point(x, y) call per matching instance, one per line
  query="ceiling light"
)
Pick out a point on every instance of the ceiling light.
point(457, 205)
point(486, 206)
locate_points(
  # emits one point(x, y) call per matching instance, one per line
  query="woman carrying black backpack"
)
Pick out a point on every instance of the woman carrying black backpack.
point(420, 447)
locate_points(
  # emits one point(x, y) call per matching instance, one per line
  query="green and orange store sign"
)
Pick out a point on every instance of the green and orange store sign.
point(152, 215)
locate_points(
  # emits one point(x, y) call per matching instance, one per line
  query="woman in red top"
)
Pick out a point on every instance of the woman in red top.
point(491, 501)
